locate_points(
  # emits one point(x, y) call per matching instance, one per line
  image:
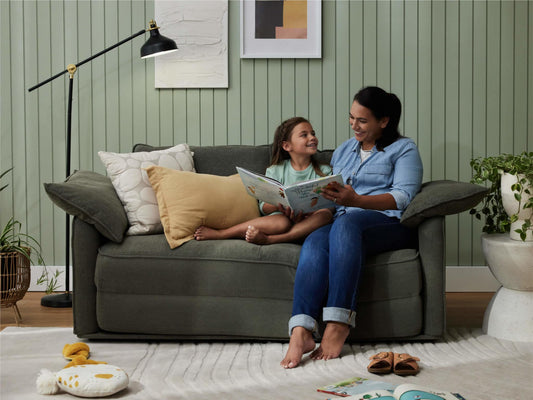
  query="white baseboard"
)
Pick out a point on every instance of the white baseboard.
point(458, 279)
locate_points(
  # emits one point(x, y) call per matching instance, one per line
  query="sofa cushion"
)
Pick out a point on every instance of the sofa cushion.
point(188, 200)
point(222, 160)
point(439, 198)
point(126, 171)
point(92, 198)
point(225, 287)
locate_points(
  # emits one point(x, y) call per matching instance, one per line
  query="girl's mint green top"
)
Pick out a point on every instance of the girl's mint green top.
point(287, 175)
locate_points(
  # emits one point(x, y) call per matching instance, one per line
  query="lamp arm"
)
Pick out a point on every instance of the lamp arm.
point(89, 59)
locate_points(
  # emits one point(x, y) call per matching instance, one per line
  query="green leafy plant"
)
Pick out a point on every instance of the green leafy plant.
point(13, 240)
point(490, 169)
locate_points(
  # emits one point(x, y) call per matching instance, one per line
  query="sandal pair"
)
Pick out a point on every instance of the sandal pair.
point(400, 363)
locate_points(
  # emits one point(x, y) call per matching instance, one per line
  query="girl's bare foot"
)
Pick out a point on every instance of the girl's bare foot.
point(205, 233)
point(334, 337)
point(254, 235)
point(301, 342)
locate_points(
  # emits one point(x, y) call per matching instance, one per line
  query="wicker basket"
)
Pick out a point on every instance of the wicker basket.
point(15, 279)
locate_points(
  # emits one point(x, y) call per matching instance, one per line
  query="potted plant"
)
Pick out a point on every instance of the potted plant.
point(508, 207)
point(17, 251)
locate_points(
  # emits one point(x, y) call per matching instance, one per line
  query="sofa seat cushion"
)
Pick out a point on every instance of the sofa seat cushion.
point(145, 265)
point(391, 275)
point(145, 287)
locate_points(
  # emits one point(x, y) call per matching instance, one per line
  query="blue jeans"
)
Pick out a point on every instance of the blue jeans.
point(331, 261)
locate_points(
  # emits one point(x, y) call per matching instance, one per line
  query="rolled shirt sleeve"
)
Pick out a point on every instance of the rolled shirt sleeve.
point(407, 177)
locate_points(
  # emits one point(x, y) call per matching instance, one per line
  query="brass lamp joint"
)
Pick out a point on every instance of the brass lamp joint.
point(71, 68)
point(152, 25)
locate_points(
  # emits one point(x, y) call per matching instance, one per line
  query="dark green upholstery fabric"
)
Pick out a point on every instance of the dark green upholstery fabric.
point(232, 280)
point(222, 160)
point(92, 198)
point(440, 198)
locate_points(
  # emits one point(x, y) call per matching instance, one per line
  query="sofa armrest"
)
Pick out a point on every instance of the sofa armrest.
point(92, 198)
point(86, 241)
point(432, 247)
point(443, 197)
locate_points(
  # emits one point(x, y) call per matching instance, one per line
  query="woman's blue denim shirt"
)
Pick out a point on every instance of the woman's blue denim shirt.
point(396, 170)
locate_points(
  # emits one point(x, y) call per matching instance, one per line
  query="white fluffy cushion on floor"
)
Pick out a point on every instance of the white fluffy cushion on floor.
point(88, 380)
point(131, 183)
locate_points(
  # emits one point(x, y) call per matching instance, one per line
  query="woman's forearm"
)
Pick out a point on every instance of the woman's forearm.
point(380, 202)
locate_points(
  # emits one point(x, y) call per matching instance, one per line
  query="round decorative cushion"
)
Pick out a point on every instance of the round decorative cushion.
point(92, 380)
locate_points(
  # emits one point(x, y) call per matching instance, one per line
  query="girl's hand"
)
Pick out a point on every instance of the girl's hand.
point(340, 195)
point(289, 213)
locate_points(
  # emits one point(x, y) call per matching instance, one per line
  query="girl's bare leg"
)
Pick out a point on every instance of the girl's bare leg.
point(254, 234)
point(301, 342)
point(270, 223)
point(334, 337)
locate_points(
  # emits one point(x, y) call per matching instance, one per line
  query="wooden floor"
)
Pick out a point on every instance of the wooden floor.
point(463, 310)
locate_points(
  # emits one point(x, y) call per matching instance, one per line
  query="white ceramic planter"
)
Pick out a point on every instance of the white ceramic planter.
point(512, 206)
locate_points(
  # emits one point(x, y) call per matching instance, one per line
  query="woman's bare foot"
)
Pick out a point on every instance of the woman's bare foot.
point(254, 235)
point(301, 342)
point(334, 337)
point(205, 233)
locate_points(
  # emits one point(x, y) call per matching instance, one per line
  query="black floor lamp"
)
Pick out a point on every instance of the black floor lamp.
point(156, 45)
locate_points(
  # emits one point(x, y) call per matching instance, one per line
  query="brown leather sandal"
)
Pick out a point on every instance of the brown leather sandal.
point(405, 364)
point(381, 363)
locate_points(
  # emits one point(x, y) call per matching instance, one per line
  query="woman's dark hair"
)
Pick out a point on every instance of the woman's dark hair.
point(283, 134)
point(382, 104)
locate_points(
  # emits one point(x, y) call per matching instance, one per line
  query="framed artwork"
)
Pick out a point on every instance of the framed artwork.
point(200, 29)
point(281, 28)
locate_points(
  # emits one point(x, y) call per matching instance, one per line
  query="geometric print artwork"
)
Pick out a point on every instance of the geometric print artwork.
point(281, 19)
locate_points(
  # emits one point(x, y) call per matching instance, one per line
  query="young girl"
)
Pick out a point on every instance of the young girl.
point(292, 161)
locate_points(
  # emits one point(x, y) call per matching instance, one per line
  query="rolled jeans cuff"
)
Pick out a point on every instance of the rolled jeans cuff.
point(305, 321)
point(337, 314)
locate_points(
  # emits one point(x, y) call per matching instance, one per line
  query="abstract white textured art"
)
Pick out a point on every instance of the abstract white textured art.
point(200, 29)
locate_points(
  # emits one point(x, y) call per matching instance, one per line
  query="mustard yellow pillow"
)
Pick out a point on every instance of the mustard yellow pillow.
point(187, 200)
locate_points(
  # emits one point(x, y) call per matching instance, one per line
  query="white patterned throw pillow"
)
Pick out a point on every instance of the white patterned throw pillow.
point(133, 188)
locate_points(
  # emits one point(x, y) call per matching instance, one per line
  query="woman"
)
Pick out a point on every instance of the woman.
point(382, 172)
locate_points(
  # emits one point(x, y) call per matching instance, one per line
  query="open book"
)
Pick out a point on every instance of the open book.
point(366, 389)
point(302, 196)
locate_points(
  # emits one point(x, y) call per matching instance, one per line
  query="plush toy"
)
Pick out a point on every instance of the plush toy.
point(81, 376)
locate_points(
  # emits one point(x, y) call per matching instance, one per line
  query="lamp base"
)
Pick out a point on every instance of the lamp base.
point(61, 300)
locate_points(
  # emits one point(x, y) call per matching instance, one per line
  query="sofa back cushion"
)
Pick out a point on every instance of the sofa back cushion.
point(222, 160)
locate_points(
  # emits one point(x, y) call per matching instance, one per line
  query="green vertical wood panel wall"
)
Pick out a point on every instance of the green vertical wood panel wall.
point(463, 70)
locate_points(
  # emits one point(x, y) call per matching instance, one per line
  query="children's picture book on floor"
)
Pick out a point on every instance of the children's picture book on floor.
point(367, 389)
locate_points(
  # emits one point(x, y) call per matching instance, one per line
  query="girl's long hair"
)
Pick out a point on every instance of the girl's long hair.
point(382, 104)
point(283, 134)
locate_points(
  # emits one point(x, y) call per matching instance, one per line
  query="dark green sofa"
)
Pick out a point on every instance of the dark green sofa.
point(136, 287)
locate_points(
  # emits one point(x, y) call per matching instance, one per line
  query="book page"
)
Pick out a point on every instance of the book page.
point(373, 394)
point(414, 392)
point(263, 188)
point(356, 386)
point(306, 197)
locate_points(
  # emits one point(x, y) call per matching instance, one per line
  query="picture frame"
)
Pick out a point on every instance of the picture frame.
point(280, 41)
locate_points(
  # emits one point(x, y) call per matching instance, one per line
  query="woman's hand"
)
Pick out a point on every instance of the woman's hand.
point(340, 195)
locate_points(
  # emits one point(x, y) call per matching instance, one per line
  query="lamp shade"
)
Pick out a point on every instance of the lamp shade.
point(157, 44)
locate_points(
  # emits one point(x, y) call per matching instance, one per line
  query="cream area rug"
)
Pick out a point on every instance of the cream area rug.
point(475, 365)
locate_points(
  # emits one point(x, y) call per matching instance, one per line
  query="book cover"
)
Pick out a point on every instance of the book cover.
point(302, 196)
point(366, 389)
